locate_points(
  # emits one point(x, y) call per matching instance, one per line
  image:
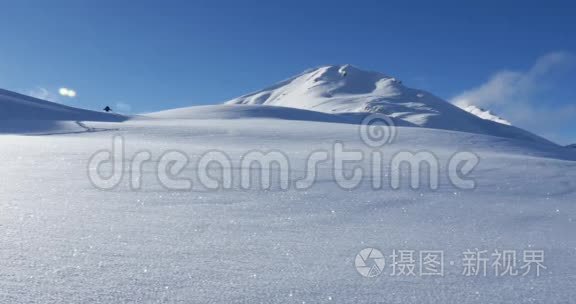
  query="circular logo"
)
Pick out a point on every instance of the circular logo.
point(369, 262)
point(377, 130)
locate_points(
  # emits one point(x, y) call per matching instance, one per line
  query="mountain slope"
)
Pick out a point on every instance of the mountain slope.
point(16, 106)
point(21, 114)
point(347, 89)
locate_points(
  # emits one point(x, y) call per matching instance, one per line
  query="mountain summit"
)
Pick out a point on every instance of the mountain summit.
point(348, 89)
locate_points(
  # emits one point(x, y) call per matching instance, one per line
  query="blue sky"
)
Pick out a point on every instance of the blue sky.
point(143, 56)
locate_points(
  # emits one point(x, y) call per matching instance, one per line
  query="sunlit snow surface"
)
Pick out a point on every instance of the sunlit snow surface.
point(64, 241)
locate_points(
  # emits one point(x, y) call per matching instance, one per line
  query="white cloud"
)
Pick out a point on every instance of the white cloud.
point(526, 98)
point(67, 92)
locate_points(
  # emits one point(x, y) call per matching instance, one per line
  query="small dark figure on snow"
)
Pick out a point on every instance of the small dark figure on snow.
point(107, 109)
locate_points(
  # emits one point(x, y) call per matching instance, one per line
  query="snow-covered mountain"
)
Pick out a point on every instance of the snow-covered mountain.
point(347, 89)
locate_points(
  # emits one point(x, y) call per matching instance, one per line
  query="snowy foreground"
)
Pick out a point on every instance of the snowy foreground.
point(62, 240)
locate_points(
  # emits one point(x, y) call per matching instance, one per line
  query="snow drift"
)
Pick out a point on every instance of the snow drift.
point(64, 240)
point(263, 111)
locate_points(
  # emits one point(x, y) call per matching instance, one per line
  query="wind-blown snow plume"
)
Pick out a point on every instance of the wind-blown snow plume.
point(513, 86)
point(526, 98)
